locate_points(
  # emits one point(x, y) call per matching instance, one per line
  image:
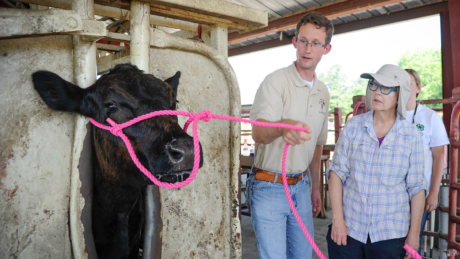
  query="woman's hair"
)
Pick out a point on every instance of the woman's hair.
point(414, 73)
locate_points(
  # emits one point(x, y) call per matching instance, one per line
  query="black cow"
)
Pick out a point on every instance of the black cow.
point(160, 143)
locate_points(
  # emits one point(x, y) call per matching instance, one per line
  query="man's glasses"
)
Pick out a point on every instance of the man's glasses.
point(314, 45)
point(383, 89)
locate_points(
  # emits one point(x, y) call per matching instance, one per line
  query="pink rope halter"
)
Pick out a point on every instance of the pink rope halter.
point(117, 130)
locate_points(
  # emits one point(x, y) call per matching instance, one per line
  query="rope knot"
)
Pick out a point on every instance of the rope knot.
point(205, 115)
point(116, 130)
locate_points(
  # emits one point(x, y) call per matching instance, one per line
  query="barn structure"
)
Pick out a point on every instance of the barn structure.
point(45, 173)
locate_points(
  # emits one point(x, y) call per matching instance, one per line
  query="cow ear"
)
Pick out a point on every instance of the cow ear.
point(58, 94)
point(174, 83)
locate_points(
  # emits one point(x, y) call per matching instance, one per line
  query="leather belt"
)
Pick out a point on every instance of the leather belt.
point(264, 175)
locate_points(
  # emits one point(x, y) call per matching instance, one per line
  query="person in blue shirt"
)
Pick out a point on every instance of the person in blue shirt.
point(376, 177)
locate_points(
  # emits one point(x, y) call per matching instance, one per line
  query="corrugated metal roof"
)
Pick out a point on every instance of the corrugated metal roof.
point(282, 8)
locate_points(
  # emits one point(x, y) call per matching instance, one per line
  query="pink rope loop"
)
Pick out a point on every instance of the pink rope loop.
point(187, 123)
point(293, 209)
point(412, 252)
point(116, 128)
point(356, 107)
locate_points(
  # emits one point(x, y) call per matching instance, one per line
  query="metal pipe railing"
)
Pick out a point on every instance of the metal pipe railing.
point(453, 183)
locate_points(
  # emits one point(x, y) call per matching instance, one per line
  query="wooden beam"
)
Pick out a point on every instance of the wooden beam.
point(454, 17)
point(384, 19)
point(232, 16)
point(330, 11)
point(259, 46)
point(447, 71)
point(109, 47)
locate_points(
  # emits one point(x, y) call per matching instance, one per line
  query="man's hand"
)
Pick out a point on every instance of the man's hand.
point(431, 202)
point(295, 137)
point(412, 240)
point(339, 232)
point(315, 202)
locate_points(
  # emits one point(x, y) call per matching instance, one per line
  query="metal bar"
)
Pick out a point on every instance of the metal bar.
point(454, 245)
point(454, 137)
point(337, 122)
point(219, 37)
point(84, 58)
point(455, 144)
point(449, 100)
point(140, 56)
point(140, 35)
point(455, 186)
point(455, 219)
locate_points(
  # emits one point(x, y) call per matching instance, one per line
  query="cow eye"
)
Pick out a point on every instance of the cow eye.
point(111, 107)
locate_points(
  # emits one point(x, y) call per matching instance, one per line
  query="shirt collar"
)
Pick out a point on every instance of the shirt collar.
point(298, 80)
point(369, 124)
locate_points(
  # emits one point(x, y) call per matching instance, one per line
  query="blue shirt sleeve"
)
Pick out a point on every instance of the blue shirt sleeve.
point(415, 179)
point(339, 163)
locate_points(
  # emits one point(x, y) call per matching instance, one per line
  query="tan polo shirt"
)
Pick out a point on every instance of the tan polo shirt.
point(285, 95)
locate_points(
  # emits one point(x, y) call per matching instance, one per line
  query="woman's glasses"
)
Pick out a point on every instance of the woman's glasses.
point(383, 89)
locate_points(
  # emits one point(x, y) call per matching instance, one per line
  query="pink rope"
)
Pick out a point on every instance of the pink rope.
point(117, 130)
point(294, 211)
point(356, 107)
point(412, 252)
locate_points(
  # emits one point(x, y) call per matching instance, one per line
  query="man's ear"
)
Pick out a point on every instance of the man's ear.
point(174, 83)
point(327, 49)
point(294, 42)
point(58, 94)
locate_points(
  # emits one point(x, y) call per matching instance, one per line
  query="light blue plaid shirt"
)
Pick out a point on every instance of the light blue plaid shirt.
point(378, 182)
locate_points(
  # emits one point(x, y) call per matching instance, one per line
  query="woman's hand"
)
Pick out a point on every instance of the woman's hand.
point(339, 232)
point(431, 202)
point(412, 240)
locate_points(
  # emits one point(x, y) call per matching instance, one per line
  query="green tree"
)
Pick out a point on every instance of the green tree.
point(341, 89)
point(427, 63)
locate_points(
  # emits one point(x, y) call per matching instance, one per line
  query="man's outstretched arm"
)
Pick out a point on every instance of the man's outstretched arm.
point(266, 135)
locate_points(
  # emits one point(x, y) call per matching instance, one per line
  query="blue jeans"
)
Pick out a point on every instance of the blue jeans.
point(422, 227)
point(277, 231)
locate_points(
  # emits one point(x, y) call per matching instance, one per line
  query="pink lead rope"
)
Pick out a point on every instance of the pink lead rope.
point(117, 130)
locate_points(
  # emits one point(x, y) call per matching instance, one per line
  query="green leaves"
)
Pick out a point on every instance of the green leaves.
point(342, 89)
point(427, 63)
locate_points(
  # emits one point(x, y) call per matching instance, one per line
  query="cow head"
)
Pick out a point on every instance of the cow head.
point(125, 93)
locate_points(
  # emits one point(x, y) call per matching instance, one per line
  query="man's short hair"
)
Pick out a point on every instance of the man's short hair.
point(320, 21)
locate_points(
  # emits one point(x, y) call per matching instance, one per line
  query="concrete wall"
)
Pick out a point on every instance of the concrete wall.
point(196, 218)
point(35, 148)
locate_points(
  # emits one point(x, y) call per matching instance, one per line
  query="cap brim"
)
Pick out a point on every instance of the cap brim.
point(383, 80)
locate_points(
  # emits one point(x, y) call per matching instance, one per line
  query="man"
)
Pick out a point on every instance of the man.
point(292, 95)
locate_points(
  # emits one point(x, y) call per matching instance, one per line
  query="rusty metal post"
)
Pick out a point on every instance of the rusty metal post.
point(337, 122)
point(453, 184)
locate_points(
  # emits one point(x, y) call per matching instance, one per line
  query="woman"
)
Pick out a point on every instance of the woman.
point(429, 123)
point(376, 177)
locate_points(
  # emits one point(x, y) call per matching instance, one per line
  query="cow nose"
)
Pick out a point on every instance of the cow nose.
point(180, 152)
